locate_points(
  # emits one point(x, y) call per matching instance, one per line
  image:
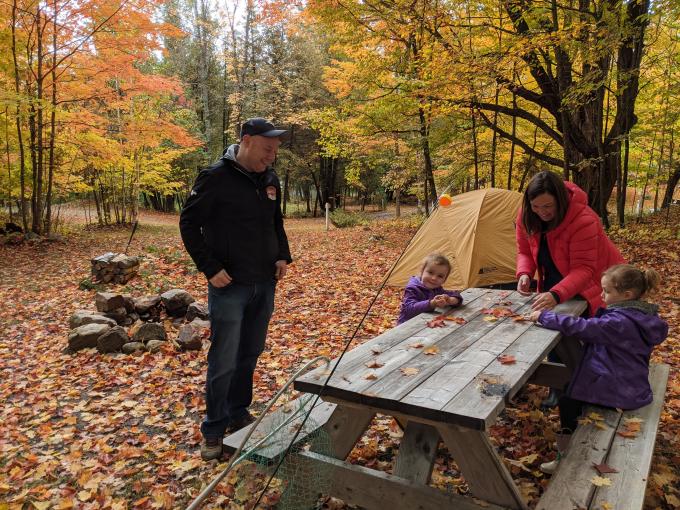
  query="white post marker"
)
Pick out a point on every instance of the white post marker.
point(328, 208)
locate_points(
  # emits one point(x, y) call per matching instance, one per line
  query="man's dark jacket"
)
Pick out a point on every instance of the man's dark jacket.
point(231, 222)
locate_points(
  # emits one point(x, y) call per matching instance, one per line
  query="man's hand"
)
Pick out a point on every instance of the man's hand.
point(281, 269)
point(221, 279)
point(524, 285)
point(544, 301)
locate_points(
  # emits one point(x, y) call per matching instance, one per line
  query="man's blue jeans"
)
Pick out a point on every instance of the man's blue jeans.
point(239, 317)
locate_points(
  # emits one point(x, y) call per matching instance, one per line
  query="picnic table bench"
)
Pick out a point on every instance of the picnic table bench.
point(445, 383)
point(609, 437)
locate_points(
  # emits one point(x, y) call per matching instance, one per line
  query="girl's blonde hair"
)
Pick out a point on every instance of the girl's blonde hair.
point(436, 259)
point(626, 277)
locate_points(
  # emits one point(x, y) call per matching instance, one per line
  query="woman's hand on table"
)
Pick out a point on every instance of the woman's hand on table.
point(543, 301)
point(524, 285)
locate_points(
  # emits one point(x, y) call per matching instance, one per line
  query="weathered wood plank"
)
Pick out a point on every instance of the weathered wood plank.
point(450, 349)
point(484, 398)
point(553, 375)
point(273, 447)
point(633, 456)
point(375, 490)
point(529, 348)
point(570, 487)
point(345, 426)
point(483, 470)
point(393, 346)
point(417, 452)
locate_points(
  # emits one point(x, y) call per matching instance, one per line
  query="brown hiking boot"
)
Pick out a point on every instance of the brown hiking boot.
point(211, 448)
point(240, 422)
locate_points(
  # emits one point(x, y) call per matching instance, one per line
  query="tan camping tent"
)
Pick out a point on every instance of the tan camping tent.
point(476, 232)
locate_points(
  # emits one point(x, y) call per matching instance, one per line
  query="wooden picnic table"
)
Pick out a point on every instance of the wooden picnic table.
point(447, 382)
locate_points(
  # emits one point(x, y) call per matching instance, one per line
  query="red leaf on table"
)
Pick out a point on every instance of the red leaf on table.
point(506, 359)
point(604, 468)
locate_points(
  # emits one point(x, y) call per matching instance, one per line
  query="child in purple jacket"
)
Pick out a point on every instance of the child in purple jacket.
point(617, 344)
point(425, 293)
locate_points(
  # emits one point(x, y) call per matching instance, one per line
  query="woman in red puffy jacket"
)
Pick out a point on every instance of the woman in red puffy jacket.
point(561, 241)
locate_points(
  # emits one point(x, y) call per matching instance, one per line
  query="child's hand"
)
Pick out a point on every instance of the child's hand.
point(439, 301)
point(533, 316)
point(452, 301)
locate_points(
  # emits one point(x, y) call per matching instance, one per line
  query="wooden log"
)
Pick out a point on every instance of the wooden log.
point(417, 452)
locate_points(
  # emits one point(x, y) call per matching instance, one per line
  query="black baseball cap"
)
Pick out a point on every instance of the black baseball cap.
point(261, 127)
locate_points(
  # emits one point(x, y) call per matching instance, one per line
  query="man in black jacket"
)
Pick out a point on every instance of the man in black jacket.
point(232, 227)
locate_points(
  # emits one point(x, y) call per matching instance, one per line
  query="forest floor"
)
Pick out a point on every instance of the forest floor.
point(91, 431)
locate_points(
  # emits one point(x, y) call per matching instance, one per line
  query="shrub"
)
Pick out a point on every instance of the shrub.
point(343, 219)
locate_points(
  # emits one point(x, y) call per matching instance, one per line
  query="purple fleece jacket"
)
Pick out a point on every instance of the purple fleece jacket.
point(417, 299)
point(618, 342)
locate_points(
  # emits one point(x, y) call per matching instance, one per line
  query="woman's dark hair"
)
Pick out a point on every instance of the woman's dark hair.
point(552, 184)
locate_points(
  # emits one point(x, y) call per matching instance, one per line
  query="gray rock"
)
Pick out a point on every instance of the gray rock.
point(113, 340)
point(82, 317)
point(129, 303)
point(176, 302)
point(154, 345)
point(200, 323)
point(144, 304)
point(86, 336)
point(119, 315)
point(197, 310)
point(131, 347)
point(147, 331)
point(190, 338)
point(108, 301)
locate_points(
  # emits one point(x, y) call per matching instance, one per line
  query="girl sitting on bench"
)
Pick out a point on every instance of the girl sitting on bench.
point(617, 344)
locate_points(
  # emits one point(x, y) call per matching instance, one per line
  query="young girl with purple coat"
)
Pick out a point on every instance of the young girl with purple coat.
point(617, 344)
point(425, 293)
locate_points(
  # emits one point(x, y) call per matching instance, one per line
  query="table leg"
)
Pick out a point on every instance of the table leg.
point(482, 468)
point(570, 351)
point(417, 452)
point(345, 427)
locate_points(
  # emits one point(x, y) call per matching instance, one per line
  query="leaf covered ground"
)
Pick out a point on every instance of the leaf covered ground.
point(92, 431)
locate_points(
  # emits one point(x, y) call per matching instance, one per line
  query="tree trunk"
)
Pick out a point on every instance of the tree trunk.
point(475, 152)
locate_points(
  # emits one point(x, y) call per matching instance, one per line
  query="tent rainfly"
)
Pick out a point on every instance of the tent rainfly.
point(477, 234)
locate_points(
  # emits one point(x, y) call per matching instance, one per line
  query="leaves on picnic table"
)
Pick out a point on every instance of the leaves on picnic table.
point(409, 371)
point(631, 427)
point(457, 320)
point(375, 364)
point(603, 468)
point(498, 312)
point(436, 323)
point(431, 350)
point(370, 376)
point(601, 481)
point(490, 318)
point(417, 345)
point(507, 359)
